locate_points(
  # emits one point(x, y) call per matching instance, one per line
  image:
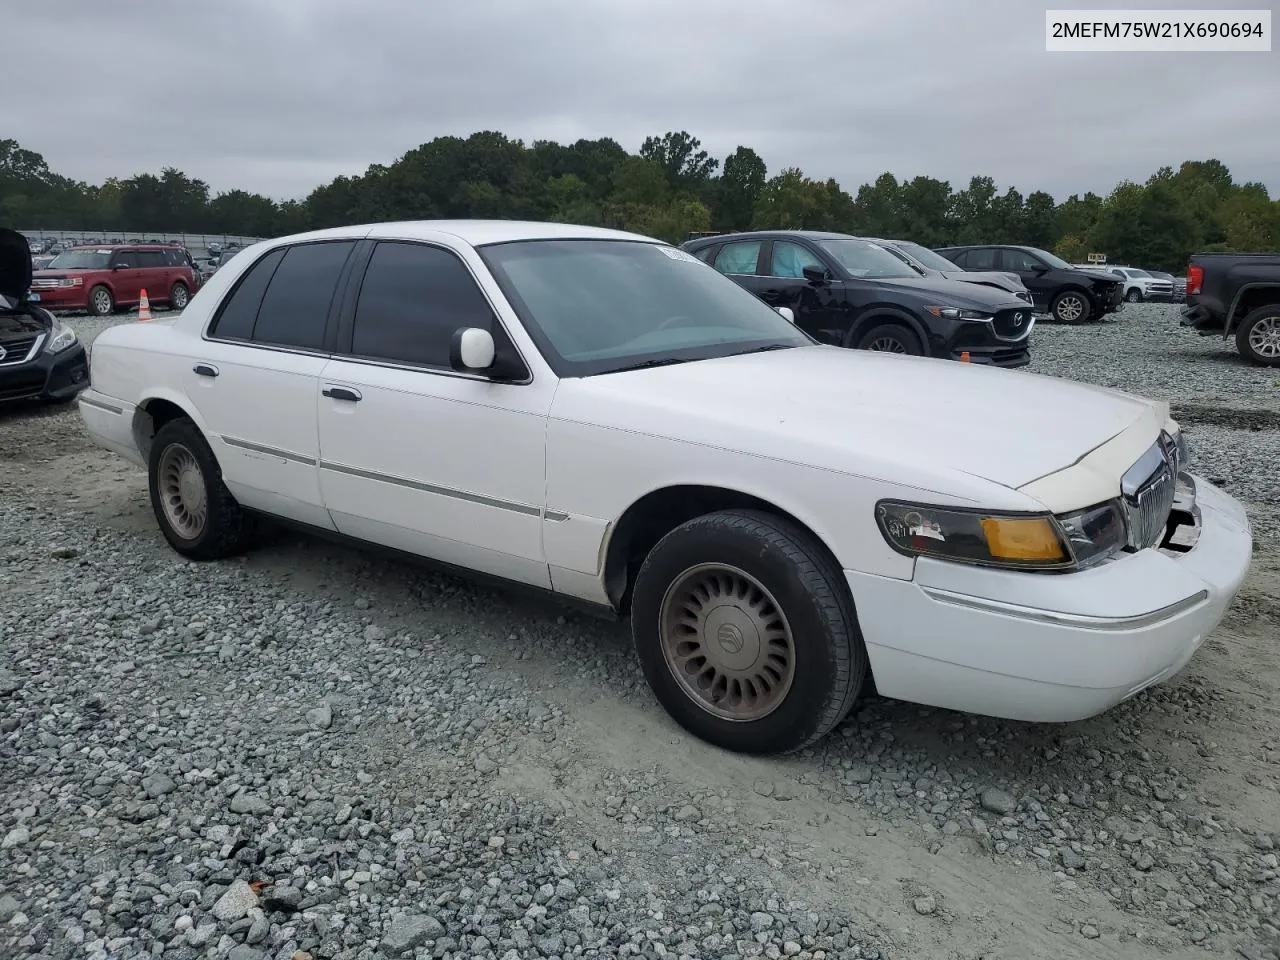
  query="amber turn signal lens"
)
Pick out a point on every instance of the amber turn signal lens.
point(1031, 538)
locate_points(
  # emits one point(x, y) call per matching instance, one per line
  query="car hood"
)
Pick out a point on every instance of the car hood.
point(867, 413)
point(953, 292)
point(15, 264)
point(1006, 281)
point(1098, 274)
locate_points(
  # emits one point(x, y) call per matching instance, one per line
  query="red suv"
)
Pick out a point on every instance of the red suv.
point(103, 279)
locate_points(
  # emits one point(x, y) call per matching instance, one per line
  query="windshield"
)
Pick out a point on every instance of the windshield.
point(868, 261)
point(600, 306)
point(1135, 272)
point(934, 261)
point(81, 260)
point(1056, 262)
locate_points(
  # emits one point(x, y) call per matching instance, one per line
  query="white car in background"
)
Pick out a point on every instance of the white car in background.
point(1138, 284)
point(603, 416)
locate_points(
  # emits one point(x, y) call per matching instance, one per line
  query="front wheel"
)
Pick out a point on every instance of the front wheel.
point(1133, 296)
point(101, 303)
point(196, 512)
point(891, 338)
point(1258, 336)
point(746, 632)
point(1070, 306)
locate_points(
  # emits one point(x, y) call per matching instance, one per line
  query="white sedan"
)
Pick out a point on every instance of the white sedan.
point(603, 416)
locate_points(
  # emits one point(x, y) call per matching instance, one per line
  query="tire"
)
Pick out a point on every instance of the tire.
point(773, 576)
point(1133, 296)
point(179, 296)
point(1070, 306)
point(1258, 336)
point(891, 338)
point(225, 530)
point(101, 303)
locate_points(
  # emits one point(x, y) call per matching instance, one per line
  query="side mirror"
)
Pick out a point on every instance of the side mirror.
point(786, 313)
point(471, 350)
point(815, 274)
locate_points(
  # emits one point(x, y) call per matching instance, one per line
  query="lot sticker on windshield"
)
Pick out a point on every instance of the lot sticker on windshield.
point(102, 251)
point(675, 254)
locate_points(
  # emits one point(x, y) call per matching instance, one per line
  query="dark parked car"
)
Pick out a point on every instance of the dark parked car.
point(934, 264)
point(40, 357)
point(1237, 294)
point(1069, 294)
point(853, 293)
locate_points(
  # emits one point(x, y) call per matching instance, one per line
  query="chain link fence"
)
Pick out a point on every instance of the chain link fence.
point(197, 243)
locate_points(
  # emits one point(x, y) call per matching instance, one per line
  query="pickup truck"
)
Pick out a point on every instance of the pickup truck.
point(1237, 294)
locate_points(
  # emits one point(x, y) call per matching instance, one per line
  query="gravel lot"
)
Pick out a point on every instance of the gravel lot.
point(312, 751)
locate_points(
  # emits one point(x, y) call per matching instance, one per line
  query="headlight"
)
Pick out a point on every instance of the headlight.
point(956, 313)
point(1095, 534)
point(61, 338)
point(1012, 541)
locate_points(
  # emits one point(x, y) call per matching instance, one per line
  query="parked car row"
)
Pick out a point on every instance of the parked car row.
point(104, 279)
point(1139, 285)
point(853, 292)
point(602, 416)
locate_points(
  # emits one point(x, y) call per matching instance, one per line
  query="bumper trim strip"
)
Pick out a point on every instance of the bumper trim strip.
point(1062, 619)
point(87, 401)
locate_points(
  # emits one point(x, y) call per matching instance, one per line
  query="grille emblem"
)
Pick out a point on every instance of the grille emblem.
point(1018, 318)
point(3, 353)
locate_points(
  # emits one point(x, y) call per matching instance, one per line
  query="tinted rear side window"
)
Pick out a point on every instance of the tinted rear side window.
point(296, 305)
point(412, 300)
point(240, 310)
point(152, 258)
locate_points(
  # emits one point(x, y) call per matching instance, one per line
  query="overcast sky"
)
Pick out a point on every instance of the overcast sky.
point(278, 96)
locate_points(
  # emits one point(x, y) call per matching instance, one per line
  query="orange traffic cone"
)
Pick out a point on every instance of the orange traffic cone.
point(964, 354)
point(144, 307)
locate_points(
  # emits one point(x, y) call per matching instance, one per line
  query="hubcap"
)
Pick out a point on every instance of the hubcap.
point(102, 300)
point(1264, 338)
point(182, 492)
point(1070, 308)
point(727, 642)
point(887, 345)
point(180, 297)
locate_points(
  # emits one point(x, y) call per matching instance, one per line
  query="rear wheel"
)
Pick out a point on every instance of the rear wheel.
point(891, 338)
point(179, 297)
point(1070, 306)
point(101, 303)
point(746, 632)
point(196, 512)
point(1258, 336)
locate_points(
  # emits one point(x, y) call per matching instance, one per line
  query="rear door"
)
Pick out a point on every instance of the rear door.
point(154, 271)
point(256, 381)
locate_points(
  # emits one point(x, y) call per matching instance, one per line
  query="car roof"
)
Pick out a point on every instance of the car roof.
point(769, 234)
point(473, 232)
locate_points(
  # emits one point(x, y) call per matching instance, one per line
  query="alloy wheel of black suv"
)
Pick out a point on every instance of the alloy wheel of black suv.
point(1068, 294)
point(851, 292)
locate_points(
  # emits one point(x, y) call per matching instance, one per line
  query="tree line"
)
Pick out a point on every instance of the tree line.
point(672, 187)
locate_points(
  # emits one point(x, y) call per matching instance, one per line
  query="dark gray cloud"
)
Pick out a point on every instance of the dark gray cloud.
point(278, 96)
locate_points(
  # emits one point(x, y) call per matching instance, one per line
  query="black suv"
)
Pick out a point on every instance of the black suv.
point(1069, 294)
point(850, 292)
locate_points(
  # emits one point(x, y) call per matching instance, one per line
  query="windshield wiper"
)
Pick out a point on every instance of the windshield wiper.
point(643, 364)
point(766, 347)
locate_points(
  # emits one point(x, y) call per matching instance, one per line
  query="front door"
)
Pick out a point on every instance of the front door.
point(1033, 272)
point(819, 308)
point(256, 378)
point(416, 456)
point(126, 276)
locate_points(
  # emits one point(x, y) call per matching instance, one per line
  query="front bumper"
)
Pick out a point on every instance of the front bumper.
point(1052, 648)
point(63, 298)
point(50, 376)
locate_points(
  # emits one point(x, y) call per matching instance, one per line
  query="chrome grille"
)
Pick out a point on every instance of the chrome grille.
point(1148, 489)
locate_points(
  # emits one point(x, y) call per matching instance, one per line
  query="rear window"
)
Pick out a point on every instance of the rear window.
point(296, 305)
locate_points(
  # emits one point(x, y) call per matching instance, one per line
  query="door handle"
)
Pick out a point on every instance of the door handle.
point(205, 370)
point(341, 393)
point(773, 293)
